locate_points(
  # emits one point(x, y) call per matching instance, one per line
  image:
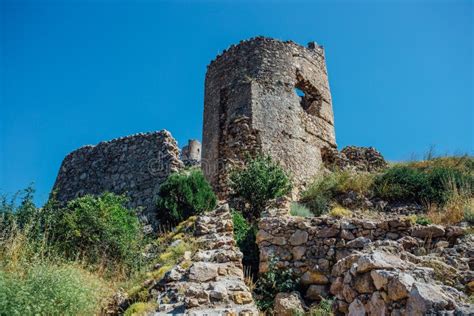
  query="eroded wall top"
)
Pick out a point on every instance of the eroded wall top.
point(134, 165)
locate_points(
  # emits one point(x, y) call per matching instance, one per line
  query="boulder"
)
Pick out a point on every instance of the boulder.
point(287, 304)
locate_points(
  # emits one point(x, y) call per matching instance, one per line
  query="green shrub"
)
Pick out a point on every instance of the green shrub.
point(259, 182)
point(297, 209)
point(99, 230)
point(409, 183)
point(184, 194)
point(50, 289)
point(272, 282)
point(245, 236)
point(140, 309)
point(324, 308)
point(319, 195)
point(402, 183)
point(241, 226)
point(324, 190)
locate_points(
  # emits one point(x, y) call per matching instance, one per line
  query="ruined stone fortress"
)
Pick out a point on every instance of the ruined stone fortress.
point(262, 96)
point(265, 96)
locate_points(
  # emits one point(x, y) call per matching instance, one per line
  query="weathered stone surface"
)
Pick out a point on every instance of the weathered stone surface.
point(251, 107)
point(214, 282)
point(299, 237)
point(359, 242)
point(354, 158)
point(242, 297)
point(287, 304)
point(311, 277)
point(135, 165)
point(364, 284)
point(370, 262)
point(376, 306)
point(381, 278)
point(316, 292)
point(400, 286)
point(425, 297)
point(356, 308)
point(378, 260)
point(298, 252)
point(429, 231)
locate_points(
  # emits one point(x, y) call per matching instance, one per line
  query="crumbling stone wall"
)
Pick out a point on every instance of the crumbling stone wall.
point(355, 158)
point(252, 106)
point(213, 283)
point(191, 153)
point(134, 165)
point(322, 250)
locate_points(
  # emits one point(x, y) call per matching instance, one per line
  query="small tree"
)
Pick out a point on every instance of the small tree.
point(185, 194)
point(259, 182)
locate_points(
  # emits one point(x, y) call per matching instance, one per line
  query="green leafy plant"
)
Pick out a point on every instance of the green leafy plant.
point(97, 229)
point(423, 184)
point(272, 282)
point(184, 194)
point(324, 308)
point(297, 209)
point(245, 236)
point(260, 181)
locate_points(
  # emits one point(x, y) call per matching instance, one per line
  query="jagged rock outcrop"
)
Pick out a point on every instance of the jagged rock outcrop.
point(213, 284)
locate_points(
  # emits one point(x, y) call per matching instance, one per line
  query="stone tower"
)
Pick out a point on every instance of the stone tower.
point(265, 96)
point(191, 153)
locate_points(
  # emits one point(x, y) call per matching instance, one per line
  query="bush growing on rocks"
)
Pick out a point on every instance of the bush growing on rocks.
point(272, 282)
point(324, 190)
point(297, 209)
point(409, 183)
point(259, 182)
point(245, 236)
point(185, 194)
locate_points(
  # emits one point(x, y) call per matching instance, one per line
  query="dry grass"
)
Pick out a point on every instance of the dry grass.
point(249, 278)
point(459, 206)
point(339, 212)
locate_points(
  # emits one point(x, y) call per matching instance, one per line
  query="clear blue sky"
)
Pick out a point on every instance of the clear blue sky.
point(78, 72)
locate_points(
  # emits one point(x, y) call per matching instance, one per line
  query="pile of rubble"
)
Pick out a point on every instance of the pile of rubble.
point(353, 158)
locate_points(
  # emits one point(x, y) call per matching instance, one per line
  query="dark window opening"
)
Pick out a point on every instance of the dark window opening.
point(310, 98)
